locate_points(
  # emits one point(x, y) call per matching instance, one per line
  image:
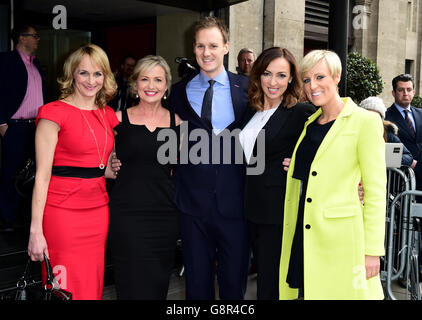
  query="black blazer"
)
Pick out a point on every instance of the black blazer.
point(13, 83)
point(412, 143)
point(264, 194)
point(199, 187)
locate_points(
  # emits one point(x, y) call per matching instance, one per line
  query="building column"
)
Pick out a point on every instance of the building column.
point(391, 52)
point(246, 29)
point(284, 25)
point(338, 36)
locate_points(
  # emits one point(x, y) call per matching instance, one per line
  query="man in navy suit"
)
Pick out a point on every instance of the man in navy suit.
point(409, 121)
point(22, 93)
point(210, 195)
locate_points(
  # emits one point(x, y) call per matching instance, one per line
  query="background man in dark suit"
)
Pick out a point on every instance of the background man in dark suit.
point(22, 93)
point(409, 121)
point(123, 98)
point(245, 60)
point(210, 196)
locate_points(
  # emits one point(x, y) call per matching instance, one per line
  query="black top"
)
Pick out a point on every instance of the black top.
point(305, 154)
point(143, 184)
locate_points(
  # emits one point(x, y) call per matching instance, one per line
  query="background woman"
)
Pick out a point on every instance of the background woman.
point(274, 91)
point(143, 218)
point(376, 104)
point(74, 138)
point(331, 243)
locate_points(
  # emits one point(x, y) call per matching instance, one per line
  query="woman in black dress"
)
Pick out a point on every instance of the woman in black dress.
point(143, 218)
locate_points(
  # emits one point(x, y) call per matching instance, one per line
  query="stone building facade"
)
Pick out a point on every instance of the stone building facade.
point(389, 32)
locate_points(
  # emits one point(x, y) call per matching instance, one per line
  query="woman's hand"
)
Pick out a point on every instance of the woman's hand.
point(37, 246)
point(113, 166)
point(372, 265)
point(361, 193)
point(115, 163)
point(286, 163)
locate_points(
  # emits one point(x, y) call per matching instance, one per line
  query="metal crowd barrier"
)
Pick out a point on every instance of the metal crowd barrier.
point(402, 238)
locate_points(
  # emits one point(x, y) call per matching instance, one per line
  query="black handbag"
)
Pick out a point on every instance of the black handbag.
point(25, 179)
point(28, 289)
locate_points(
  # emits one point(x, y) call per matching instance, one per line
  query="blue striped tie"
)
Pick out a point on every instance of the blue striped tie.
point(409, 122)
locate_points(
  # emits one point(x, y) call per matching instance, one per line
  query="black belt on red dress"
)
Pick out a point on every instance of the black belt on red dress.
point(77, 172)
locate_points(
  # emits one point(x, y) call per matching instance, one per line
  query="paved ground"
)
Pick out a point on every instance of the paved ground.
point(177, 289)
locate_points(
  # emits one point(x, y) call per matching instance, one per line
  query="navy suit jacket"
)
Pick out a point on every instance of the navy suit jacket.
point(13, 83)
point(201, 187)
point(412, 143)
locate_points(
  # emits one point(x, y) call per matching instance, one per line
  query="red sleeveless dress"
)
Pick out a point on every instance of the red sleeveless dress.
point(75, 222)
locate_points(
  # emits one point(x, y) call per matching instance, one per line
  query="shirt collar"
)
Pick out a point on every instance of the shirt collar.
point(222, 78)
point(401, 109)
point(26, 58)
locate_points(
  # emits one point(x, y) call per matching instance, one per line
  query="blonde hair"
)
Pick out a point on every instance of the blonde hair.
point(315, 56)
point(97, 56)
point(145, 64)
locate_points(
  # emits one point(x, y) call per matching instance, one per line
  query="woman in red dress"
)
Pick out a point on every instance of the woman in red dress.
point(73, 141)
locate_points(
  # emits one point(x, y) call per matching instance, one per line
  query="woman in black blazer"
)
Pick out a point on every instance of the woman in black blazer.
point(274, 92)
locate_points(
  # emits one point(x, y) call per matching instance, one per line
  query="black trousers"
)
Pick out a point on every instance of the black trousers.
point(17, 145)
point(266, 248)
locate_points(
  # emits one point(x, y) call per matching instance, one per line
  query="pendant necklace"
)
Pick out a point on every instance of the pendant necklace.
point(101, 166)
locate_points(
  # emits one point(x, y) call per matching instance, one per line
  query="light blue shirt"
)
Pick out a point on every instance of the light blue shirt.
point(410, 113)
point(222, 106)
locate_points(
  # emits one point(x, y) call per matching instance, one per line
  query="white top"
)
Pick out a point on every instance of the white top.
point(249, 134)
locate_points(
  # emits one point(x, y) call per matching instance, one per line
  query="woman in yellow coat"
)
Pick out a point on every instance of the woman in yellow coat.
point(331, 242)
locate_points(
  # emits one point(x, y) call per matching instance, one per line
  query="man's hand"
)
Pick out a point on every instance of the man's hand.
point(413, 165)
point(286, 164)
point(3, 130)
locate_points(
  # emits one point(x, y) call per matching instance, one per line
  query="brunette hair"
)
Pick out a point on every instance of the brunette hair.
point(404, 78)
point(97, 56)
point(293, 93)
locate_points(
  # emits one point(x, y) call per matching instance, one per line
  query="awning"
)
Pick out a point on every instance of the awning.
point(197, 5)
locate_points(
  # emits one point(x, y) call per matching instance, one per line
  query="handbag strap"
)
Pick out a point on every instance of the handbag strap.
point(27, 274)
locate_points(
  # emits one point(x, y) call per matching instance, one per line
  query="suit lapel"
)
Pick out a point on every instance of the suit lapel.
point(417, 116)
point(401, 123)
point(276, 122)
point(194, 115)
point(235, 91)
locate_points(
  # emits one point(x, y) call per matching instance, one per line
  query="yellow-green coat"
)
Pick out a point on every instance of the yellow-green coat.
point(342, 231)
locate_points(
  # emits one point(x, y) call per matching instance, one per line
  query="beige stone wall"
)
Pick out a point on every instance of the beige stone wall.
point(289, 26)
point(246, 29)
point(175, 38)
point(391, 43)
point(260, 24)
point(419, 49)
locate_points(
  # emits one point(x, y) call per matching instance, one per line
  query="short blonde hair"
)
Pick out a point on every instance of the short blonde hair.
point(97, 56)
point(146, 64)
point(315, 56)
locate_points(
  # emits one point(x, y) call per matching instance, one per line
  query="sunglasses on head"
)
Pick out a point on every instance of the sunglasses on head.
point(34, 35)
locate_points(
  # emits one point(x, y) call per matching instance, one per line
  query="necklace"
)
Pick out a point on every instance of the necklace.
point(101, 166)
